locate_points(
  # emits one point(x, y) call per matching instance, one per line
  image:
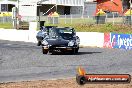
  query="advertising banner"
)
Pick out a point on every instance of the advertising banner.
point(107, 43)
point(121, 41)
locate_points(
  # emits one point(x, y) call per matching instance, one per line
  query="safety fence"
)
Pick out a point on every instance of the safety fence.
point(85, 19)
point(74, 19)
point(6, 19)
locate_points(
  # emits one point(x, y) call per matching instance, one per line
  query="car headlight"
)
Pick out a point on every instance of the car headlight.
point(44, 42)
point(78, 41)
point(71, 43)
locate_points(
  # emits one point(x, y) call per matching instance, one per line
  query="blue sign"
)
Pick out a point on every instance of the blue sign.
point(121, 41)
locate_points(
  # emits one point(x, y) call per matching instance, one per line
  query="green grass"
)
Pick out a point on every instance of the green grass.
point(83, 27)
point(97, 28)
point(88, 25)
point(76, 20)
point(6, 25)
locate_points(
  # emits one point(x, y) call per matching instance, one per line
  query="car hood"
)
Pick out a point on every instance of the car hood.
point(40, 34)
point(57, 41)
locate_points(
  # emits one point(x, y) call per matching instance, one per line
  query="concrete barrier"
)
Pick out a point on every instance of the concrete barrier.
point(93, 39)
point(14, 35)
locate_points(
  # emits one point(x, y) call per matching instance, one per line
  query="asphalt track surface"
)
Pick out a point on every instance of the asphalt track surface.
point(20, 61)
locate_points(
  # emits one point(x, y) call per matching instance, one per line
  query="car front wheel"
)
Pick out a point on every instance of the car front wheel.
point(76, 50)
point(44, 51)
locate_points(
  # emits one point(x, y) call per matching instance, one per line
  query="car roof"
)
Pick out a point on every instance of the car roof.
point(50, 26)
point(63, 28)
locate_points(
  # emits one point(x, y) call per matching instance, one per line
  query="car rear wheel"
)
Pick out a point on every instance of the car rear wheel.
point(39, 43)
point(44, 51)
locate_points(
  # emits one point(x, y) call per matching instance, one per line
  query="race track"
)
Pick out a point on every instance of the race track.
point(20, 61)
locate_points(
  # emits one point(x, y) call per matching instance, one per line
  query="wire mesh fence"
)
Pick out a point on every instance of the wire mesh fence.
point(74, 19)
point(79, 19)
point(5, 19)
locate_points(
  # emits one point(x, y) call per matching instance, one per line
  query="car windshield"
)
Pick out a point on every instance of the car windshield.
point(65, 33)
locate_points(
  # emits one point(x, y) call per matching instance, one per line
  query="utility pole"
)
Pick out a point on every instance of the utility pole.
point(18, 6)
point(112, 12)
point(56, 5)
point(17, 19)
point(39, 7)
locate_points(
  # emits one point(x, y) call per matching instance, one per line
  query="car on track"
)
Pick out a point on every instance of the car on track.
point(59, 39)
point(42, 34)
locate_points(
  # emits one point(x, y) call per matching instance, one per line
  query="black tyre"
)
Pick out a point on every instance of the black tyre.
point(44, 51)
point(39, 43)
point(72, 51)
point(76, 50)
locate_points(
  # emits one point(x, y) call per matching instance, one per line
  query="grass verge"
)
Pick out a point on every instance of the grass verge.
point(6, 25)
point(98, 28)
point(83, 27)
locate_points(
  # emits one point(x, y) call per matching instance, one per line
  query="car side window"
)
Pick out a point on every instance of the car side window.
point(52, 33)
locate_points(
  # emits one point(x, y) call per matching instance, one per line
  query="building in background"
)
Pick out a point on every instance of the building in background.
point(90, 7)
point(31, 8)
point(6, 6)
point(118, 6)
point(110, 5)
point(85, 7)
point(126, 4)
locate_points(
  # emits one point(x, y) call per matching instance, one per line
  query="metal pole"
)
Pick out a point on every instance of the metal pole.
point(17, 21)
point(39, 17)
point(112, 12)
point(130, 12)
point(65, 18)
point(56, 8)
point(18, 6)
point(113, 19)
point(39, 5)
point(7, 8)
point(71, 18)
point(83, 10)
point(56, 5)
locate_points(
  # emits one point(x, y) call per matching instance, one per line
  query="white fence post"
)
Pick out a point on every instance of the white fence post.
point(88, 16)
point(65, 18)
point(53, 20)
point(106, 18)
point(113, 19)
point(71, 18)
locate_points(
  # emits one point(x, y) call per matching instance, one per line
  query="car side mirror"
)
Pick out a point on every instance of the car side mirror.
point(77, 37)
point(40, 28)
